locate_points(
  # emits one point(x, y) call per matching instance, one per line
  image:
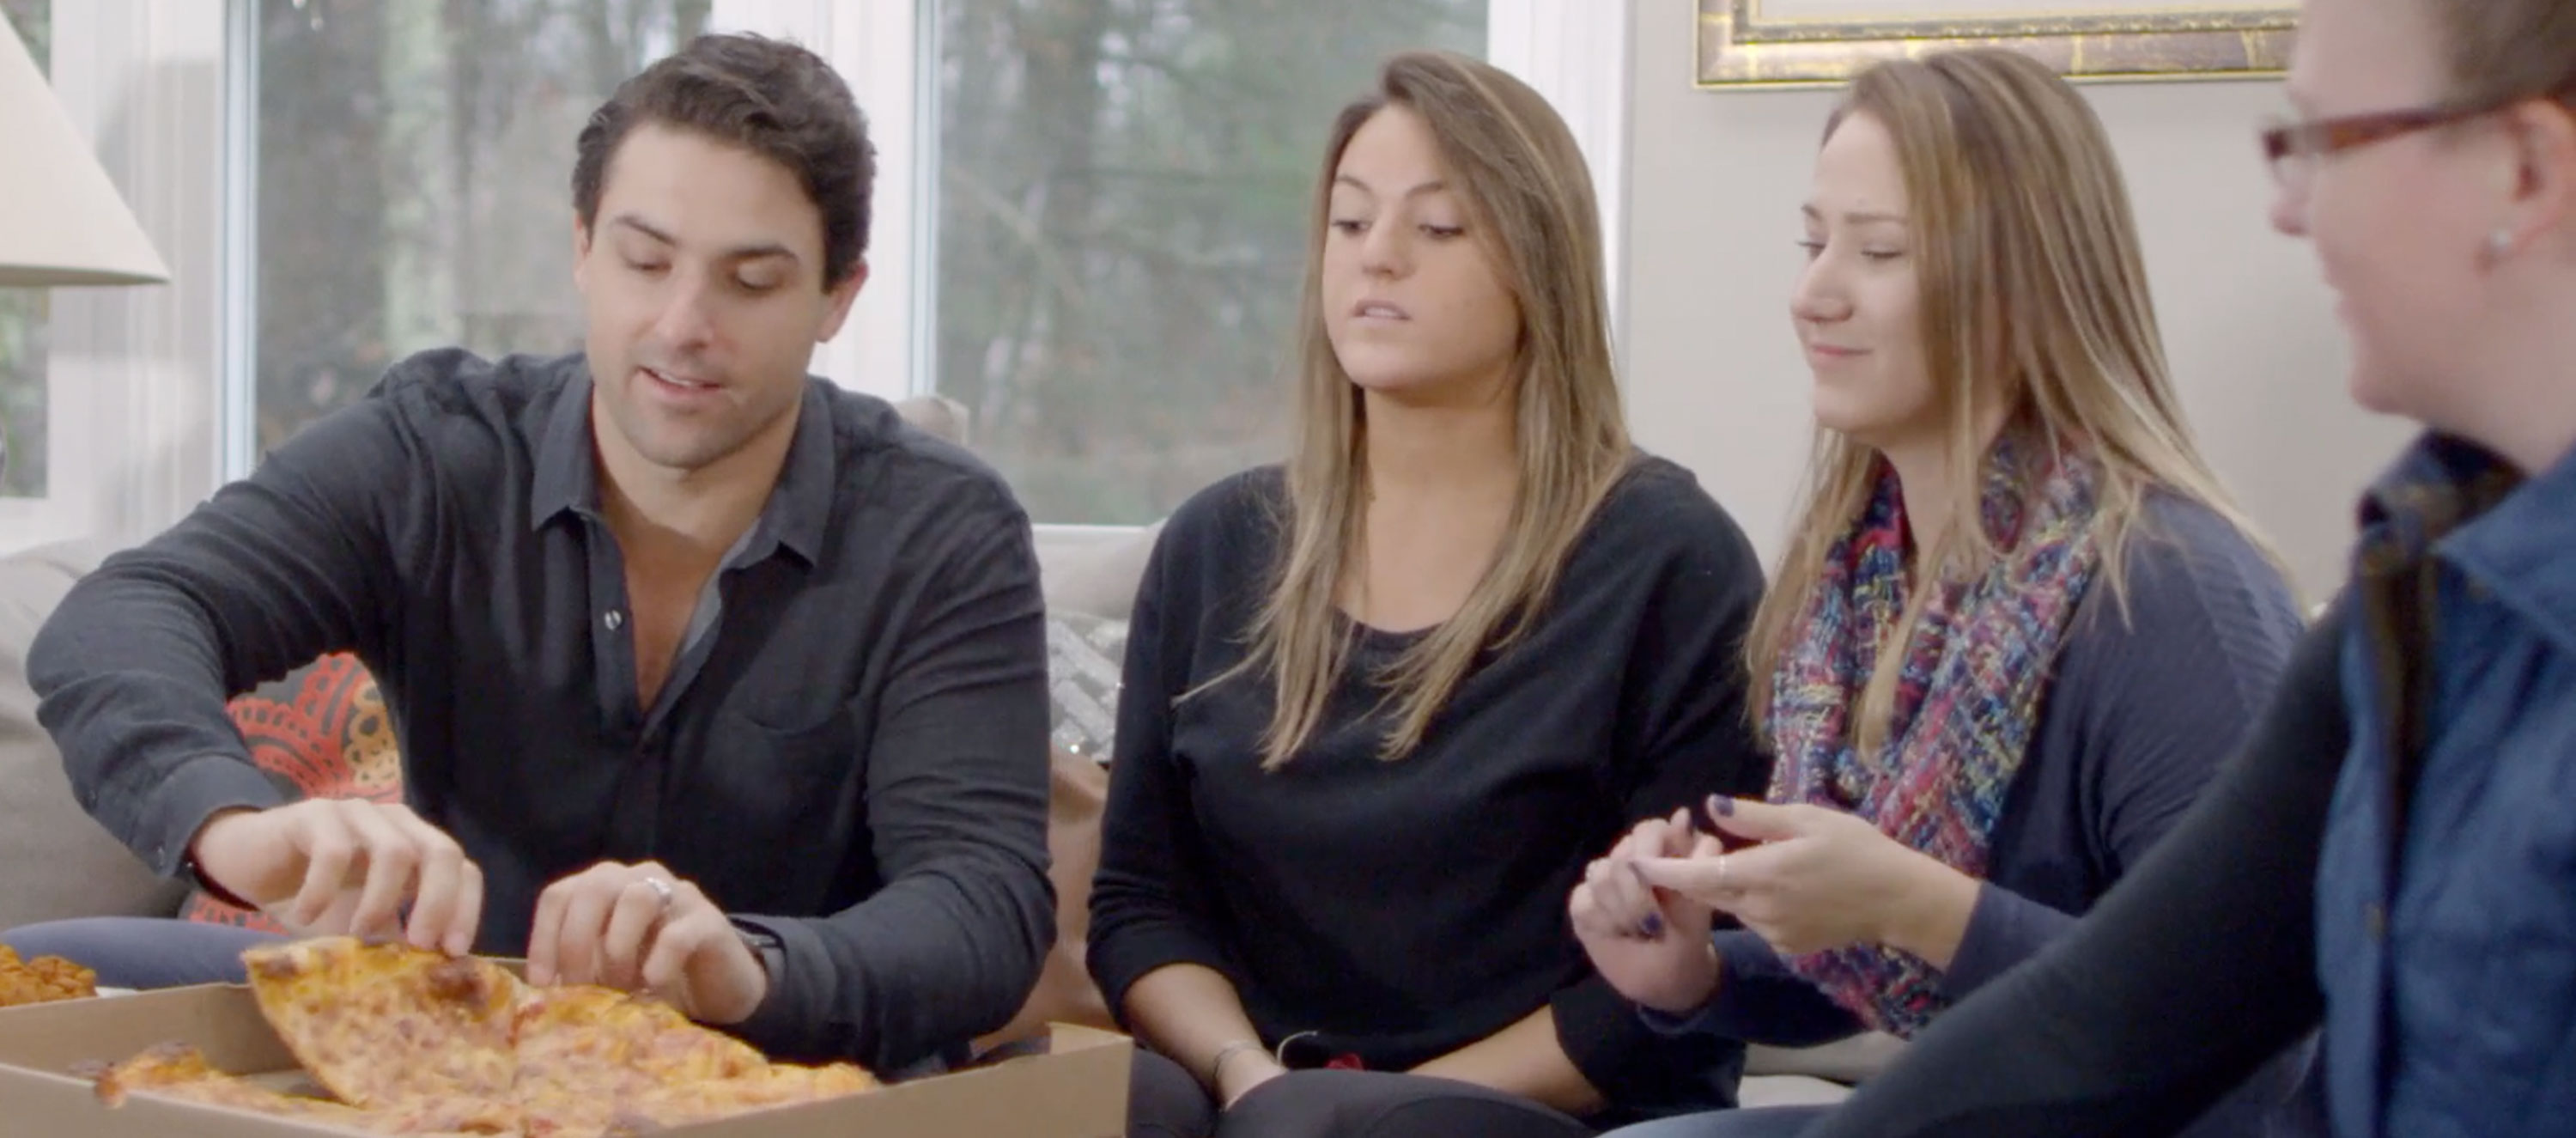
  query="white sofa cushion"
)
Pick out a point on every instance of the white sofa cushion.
point(55, 861)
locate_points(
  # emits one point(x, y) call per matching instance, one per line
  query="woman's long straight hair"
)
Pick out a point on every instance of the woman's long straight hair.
point(1512, 160)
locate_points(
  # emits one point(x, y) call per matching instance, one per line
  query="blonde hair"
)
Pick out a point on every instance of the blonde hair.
point(2033, 304)
point(1530, 203)
point(2501, 50)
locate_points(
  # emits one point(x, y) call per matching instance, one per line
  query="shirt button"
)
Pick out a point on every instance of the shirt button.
point(2374, 920)
point(613, 619)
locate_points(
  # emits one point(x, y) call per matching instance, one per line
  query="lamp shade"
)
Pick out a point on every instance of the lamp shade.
point(61, 220)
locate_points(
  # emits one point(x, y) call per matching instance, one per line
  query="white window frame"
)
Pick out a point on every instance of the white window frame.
point(235, 423)
point(1575, 52)
point(878, 47)
point(131, 373)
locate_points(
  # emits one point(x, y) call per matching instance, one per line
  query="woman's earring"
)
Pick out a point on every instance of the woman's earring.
point(2499, 243)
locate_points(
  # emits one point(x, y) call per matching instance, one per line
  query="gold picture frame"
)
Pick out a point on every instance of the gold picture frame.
point(1752, 43)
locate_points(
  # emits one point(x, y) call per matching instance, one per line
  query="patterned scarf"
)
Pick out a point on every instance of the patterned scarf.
point(1966, 697)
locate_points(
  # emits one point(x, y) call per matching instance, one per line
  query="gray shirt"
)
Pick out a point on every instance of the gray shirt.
point(849, 753)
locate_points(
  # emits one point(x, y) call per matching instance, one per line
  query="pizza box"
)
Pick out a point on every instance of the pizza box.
point(1078, 1089)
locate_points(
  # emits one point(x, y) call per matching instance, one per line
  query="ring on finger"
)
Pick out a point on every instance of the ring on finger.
point(662, 891)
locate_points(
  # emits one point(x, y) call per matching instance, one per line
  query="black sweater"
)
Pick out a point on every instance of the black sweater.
point(1399, 911)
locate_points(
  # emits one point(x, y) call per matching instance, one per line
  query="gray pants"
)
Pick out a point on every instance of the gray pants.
point(1164, 1101)
point(143, 952)
point(1753, 1122)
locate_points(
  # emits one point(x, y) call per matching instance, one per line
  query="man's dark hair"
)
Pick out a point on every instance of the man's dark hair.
point(773, 98)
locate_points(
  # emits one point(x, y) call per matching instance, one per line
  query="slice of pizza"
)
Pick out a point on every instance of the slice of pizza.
point(180, 1071)
point(448, 1114)
point(598, 1062)
point(585, 1037)
point(678, 1104)
point(380, 1025)
point(42, 980)
point(587, 1053)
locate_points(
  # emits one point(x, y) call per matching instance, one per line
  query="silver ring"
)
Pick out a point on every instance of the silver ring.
point(661, 889)
point(1721, 871)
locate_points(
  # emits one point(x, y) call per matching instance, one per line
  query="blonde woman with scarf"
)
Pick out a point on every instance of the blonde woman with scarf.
point(2018, 623)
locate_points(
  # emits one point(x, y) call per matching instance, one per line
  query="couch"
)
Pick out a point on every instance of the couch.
point(322, 730)
point(55, 862)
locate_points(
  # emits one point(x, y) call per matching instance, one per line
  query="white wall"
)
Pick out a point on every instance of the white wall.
point(1714, 376)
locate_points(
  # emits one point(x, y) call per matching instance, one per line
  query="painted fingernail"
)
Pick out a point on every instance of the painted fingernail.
point(1721, 805)
point(1653, 925)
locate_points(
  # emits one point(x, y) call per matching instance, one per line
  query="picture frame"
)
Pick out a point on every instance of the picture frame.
point(1822, 43)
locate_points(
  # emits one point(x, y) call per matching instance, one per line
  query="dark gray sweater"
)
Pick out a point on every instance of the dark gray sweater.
point(2144, 706)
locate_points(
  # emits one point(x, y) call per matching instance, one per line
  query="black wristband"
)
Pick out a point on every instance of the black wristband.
point(196, 878)
point(765, 945)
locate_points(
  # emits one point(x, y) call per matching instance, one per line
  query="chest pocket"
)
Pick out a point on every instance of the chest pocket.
point(772, 782)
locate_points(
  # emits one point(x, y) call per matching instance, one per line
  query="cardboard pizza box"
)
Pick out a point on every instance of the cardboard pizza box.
point(1078, 1089)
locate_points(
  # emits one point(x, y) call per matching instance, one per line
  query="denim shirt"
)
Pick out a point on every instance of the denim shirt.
point(2446, 888)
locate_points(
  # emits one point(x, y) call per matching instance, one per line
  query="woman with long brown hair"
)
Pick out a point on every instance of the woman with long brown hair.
point(1466, 624)
point(2018, 620)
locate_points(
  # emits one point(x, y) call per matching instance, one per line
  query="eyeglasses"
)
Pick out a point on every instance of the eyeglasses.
point(2292, 149)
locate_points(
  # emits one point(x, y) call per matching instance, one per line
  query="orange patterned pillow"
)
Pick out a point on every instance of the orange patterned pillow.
point(329, 738)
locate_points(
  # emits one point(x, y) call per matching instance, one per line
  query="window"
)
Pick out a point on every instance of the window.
point(413, 180)
point(1090, 214)
point(23, 316)
point(1121, 214)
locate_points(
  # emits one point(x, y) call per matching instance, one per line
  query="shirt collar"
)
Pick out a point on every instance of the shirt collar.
point(800, 509)
point(2517, 550)
point(2436, 485)
point(566, 481)
point(798, 512)
point(2506, 533)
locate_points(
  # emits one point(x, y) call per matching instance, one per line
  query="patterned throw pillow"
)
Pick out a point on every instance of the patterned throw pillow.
point(1084, 656)
point(323, 733)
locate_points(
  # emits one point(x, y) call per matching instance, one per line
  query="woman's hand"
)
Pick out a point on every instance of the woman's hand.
point(1652, 946)
point(1823, 879)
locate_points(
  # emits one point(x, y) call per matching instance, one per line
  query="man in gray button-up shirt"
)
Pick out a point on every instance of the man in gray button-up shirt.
point(710, 678)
